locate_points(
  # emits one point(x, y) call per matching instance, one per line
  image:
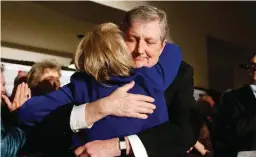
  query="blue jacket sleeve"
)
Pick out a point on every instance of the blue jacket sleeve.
point(11, 141)
point(169, 63)
point(38, 107)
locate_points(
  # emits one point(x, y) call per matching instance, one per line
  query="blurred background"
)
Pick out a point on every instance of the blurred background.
point(215, 37)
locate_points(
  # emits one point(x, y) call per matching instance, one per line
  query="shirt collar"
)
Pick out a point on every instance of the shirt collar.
point(253, 87)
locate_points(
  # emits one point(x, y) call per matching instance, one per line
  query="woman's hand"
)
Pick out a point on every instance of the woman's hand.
point(22, 94)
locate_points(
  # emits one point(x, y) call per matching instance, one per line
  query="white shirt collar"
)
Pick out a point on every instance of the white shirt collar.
point(253, 87)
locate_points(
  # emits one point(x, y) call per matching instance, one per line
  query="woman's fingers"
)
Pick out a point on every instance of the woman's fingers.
point(22, 93)
point(17, 95)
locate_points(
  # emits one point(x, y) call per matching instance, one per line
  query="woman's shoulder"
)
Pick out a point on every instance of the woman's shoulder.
point(149, 77)
point(80, 77)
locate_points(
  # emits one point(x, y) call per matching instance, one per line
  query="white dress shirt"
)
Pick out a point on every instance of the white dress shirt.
point(77, 122)
point(253, 87)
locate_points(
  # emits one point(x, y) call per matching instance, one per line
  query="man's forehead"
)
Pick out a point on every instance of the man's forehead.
point(147, 31)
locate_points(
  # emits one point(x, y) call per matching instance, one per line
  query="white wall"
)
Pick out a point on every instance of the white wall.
point(17, 54)
point(122, 5)
point(30, 24)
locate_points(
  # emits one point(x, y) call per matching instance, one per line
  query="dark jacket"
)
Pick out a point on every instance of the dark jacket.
point(235, 125)
point(175, 137)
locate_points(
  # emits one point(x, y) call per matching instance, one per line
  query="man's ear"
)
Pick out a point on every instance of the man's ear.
point(163, 45)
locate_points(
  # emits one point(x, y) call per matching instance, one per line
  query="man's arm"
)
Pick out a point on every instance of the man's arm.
point(60, 124)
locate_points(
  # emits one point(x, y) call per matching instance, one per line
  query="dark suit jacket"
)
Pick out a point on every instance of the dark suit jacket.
point(235, 125)
point(173, 138)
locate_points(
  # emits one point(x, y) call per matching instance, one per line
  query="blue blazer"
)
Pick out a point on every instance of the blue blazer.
point(83, 88)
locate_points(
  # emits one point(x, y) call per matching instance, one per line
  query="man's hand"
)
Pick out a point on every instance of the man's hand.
point(99, 148)
point(22, 94)
point(123, 104)
point(120, 103)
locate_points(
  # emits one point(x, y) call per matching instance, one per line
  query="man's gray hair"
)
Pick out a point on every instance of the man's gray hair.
point(146, 13)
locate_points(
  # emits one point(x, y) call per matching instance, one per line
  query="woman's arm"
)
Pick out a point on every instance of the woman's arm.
point(120, 103)
point(38, 107)
point(164, 72)
point(169, 63)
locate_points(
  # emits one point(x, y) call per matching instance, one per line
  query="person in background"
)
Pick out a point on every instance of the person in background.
point(12, 138)
point(203, 146)
point(44, 77)
point(20, 78)
point(235, 125)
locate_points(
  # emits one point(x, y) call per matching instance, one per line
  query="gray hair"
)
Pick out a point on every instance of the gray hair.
point(147, 14)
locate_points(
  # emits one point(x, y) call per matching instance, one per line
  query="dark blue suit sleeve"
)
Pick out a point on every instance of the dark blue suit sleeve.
point(38, 107)
point(169, 63)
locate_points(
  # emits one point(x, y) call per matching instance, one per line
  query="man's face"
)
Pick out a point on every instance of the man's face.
point(3, 89)
point(144, 42)
point(253, 73)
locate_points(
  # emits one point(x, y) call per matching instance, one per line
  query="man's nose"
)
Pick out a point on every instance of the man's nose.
point(140, 48)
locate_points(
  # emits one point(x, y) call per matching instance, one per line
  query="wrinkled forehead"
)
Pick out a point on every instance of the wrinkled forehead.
point(145, 29)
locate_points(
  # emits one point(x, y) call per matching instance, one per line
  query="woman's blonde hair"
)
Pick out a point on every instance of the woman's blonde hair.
point(103, 52)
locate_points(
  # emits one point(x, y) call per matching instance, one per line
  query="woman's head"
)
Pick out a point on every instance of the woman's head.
point(103, 52)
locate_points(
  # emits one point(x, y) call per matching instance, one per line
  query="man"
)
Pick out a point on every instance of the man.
point(235, 125)
point(145, 30)
point(173, 138)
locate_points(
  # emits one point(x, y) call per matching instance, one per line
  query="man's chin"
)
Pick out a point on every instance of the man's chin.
point(138, 65)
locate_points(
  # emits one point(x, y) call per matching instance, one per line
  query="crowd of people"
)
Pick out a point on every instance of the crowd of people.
point(132, 95)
